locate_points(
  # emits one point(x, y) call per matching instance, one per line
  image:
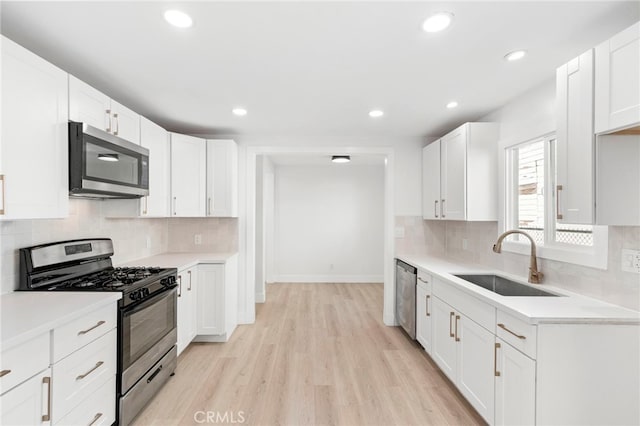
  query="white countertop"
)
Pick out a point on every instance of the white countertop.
point(27, 314)
point(180, 260)
point(571, 308)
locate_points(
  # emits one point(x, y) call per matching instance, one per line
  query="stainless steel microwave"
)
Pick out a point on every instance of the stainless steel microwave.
point(102, 165)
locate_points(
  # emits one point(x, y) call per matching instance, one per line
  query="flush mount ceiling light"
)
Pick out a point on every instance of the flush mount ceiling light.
point(178, 19)
point(437, 22)
point(108, 157)
point(452, 104)
point(515, 55)
point(240, 112)
point(341, 158)
point(376, 113)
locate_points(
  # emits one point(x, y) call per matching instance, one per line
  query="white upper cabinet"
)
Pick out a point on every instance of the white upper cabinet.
point(33, 155)
point(575, 141)
point(156, 140)
point(90, 106)
point(617, 81)
point(222, 178)
point(188, 175)
point(459, 174)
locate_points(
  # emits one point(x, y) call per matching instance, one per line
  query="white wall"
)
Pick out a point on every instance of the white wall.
point(329, 223)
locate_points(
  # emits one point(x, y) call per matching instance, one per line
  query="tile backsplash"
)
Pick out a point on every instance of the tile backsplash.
point(132, 238)
point(611, 285)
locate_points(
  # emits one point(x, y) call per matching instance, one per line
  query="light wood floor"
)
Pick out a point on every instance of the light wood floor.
point(318, 354)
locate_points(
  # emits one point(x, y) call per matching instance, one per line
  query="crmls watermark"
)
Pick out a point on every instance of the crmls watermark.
point(223, 417)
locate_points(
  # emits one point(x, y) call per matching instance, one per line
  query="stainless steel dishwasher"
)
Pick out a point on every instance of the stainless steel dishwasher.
point(406, 277)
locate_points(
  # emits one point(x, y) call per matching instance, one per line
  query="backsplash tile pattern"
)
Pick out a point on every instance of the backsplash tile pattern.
point(421, 237)
point(132, 238)
point(612, 285)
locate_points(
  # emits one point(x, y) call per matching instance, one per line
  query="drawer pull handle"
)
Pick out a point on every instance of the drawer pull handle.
point(519, 336)
point(4, 372)
point(47, 381)
point(155, 373)
point(82, 376)
point(95, 419)
point(80, 333)
point(426, 305)
point(451, 314)
point(457, 319)
point(424, 281)
point(495, 360)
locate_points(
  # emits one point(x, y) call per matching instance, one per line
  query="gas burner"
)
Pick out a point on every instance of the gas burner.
point(83, 284)
point(113, 284)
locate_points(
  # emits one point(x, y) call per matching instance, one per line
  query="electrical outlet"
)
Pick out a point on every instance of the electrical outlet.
point(631, 260)
point(148, 241)
point(197, 239)
point(465, 244)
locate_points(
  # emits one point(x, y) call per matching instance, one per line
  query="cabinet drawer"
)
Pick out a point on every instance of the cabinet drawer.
point(75, 334)
point(83, 372)
point(517, 333)
point(424, 280)
point(24, 361)
point(479, 311)
point(97, 409)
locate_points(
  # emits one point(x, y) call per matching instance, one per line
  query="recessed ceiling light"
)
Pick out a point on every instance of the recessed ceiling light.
point(341, 158)
point(178, 19)
point(239, 111)
point(376, 113)
point(515, 55)
point(437, 22)
point(452, 104)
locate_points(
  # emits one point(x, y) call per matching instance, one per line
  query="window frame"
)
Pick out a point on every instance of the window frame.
point(595, 256)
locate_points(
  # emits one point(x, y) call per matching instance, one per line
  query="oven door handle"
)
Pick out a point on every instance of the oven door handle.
point(162, 295)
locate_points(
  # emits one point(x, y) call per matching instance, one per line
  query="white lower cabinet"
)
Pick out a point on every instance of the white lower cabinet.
point(187, 284)
point(515, 378)
point(28, 403)
point(464, 351)
point(424, 311)
point(96, 410)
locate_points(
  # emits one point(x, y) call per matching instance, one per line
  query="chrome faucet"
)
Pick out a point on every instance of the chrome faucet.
point(535, 276)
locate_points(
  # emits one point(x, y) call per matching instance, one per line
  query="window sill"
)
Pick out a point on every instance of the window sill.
point(595, 256)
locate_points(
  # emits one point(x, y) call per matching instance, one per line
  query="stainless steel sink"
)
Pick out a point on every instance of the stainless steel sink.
point(504, 286)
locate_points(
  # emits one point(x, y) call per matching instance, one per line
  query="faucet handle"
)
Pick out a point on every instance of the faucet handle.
point(535, 277)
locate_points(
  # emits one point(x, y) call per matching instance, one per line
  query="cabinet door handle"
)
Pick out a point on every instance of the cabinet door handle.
point(115, 116)
point(442, 208)
point(4, 372)
point(47, 381)
point(495, 360)
point(189, 288)
point(457, 319)
point(435, 208)
point(426, 305)
point(519, 336)
point(451, 315)
point(558, 214)
point(108, 112)
point(95, 419)
point(174, 205)
point(179, 285)
point(98, 324)
point(95, 367)
point(209, 206)
point(146, 205)
point(2, 196)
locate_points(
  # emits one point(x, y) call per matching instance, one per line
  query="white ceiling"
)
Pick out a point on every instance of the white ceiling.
point(312, 68)
point(325, 160)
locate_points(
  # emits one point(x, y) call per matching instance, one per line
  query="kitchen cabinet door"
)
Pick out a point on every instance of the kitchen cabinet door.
point(575, 141)
point(34, 168)
point(515, 386)
point(475, 361)
point(431, 181)
point(211, 300)
point(188, 175)
point(28, 403)
point(126, 123)
point(424, 311)
point(444, 344)
point(453, 174)
point(89, 105)
point(617, 81)
point(186, 307)
point(156, 140)
point(222, 178)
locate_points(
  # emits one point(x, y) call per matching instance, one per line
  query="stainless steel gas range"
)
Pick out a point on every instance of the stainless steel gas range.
point(147, 319)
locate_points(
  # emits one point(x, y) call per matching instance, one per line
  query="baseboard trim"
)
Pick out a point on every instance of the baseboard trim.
point(260, 298)
point(329, 278)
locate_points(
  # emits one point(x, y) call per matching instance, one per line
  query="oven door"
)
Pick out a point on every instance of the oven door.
point(148, 332)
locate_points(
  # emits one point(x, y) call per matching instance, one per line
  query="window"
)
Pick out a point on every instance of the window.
point(531, 201)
